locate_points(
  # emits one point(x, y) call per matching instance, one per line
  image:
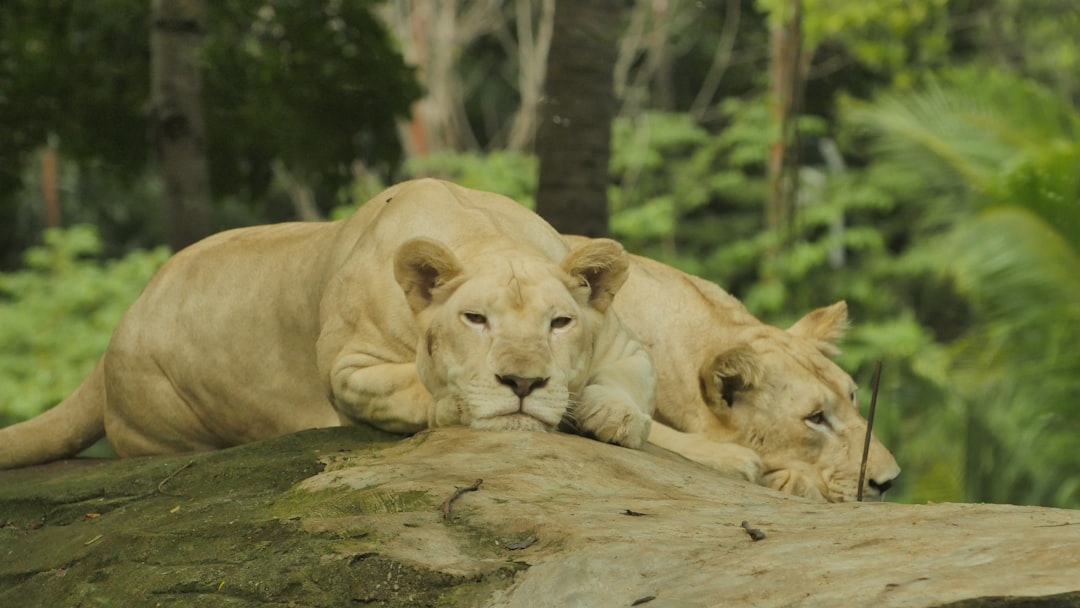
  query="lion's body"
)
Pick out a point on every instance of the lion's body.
point(261, 331)
point(219, 349)
point(735, 394)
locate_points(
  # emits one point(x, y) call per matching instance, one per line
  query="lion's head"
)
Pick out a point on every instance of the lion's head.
point(507, 341)
point(782, 395)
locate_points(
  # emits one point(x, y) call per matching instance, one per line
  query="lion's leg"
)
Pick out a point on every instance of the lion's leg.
point(388, 396)
point(730, 459)
point(145, 413)
point(609, 417)
point(617, 405)
point(131, 440)
point(156, 423)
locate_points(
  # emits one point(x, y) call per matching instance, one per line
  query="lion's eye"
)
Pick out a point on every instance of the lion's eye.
point(817, 417)
point(475, 318)
point(560, 322)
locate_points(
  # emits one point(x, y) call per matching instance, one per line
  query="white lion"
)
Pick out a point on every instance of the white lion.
point(751, 400)
point(431, 305)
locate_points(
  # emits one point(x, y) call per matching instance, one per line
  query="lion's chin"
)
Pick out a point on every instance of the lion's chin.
point(512, 422)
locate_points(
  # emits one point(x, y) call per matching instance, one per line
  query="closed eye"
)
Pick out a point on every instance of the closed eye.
point(817, 418)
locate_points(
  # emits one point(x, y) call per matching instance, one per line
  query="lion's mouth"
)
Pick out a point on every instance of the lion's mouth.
point(517, 421)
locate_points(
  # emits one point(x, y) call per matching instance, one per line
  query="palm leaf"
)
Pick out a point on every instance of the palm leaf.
point(968, 124)
point(1008, 150)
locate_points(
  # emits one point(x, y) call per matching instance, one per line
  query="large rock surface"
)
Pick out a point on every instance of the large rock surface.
point(346, 516)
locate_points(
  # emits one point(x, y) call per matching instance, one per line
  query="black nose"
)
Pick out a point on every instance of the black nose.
point(522, 386)
point(881, 486)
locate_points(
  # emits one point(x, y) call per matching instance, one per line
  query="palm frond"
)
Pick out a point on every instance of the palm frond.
point(1015, 267)
point(929, 132)
point(974, 125)
point(1015, 148)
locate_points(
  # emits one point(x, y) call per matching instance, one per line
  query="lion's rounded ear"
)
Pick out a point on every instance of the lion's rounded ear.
point(604, 265)
point(735, 369)
point(421, 266)
point(824, 326)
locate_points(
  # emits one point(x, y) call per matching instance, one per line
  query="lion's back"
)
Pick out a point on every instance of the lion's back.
point(463, 219)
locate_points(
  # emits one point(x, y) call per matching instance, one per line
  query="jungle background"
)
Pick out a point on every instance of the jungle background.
point(919, 159)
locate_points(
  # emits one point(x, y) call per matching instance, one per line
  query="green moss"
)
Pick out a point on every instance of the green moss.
point(215, 529)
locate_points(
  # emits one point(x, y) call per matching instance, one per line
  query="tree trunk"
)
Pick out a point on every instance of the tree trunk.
point(177, 118)
point(50, 189)
point(786, 77)
point(574, 135)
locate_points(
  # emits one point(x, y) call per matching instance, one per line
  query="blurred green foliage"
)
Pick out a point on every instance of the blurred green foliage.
point(57, 314)
point(313, 86)
point(956, 249)
point(886, 35)
point(1000, 153)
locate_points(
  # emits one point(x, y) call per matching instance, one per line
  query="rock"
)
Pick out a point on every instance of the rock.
point(344, 516)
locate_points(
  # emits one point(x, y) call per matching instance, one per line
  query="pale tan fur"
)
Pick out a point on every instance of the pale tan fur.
point(708, 348)
point(431, 305)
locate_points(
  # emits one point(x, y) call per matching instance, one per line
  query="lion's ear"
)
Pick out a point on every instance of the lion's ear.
point(824, 326)
point(420, 267)
point(735, 369)
point(604, 265)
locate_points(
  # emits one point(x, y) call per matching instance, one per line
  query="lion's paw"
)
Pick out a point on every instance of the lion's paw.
point(733, 460)
point(798, 483)
point(614, 422)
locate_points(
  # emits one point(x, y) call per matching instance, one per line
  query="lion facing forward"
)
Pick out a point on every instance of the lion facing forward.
point(431, 305)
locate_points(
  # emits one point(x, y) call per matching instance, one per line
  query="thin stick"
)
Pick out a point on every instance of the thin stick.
point(161, 484)
point(869, 426)
point(458, 492)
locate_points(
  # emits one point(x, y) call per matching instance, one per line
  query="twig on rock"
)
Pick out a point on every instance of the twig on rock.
point(458, 491)
point(755, 534)
point(633, 513)
point(643, 600)
point(161, 484)
point(869, 426)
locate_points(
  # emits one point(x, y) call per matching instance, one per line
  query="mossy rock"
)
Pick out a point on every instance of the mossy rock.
point(206, 530)
point(348, 516)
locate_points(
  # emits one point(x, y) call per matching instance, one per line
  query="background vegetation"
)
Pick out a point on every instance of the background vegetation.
point(938, 193)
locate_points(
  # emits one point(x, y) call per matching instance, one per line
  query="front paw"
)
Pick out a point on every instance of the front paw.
point(445, 412)
point(732, 460)
point(797, 483)
point(613, 422)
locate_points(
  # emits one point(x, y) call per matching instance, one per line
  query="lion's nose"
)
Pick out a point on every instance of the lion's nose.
point(881, 486)
point(522, 386)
